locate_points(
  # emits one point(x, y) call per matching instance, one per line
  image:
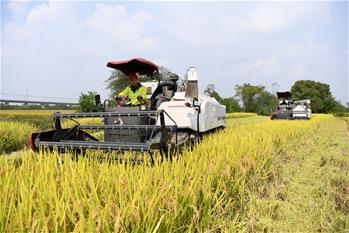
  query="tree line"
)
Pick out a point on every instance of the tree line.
point(251, 98)
point(247, 98)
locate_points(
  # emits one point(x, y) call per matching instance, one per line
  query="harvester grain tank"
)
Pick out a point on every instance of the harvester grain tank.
point(175, 114)
point(291, 110)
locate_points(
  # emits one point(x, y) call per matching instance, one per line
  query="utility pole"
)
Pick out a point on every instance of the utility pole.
point(274, 87)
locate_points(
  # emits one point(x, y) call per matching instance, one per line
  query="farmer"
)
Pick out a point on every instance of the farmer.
point(135, 94)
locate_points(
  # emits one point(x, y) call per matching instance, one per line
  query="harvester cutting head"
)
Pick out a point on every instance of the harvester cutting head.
point(291, 110)
point(172, 117)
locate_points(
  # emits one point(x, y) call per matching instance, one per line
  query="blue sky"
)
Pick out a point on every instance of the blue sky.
point(60, 48)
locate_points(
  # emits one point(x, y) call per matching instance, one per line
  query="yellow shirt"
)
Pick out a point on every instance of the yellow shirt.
point(132, 96)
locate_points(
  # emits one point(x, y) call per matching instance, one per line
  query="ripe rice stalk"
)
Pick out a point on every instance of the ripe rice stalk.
point(14, 136)
point(206, 189)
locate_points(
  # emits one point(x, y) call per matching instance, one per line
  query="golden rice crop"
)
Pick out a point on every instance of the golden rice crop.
point(84, 121)
point(25, 114)
point(240, 114)
point(207, 189)
point(14, 135)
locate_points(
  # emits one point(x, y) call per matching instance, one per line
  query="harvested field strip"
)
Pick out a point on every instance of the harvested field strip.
point(236, 122)
point(311, 191)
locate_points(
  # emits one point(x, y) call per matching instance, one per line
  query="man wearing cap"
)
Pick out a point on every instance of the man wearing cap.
point(135, 94)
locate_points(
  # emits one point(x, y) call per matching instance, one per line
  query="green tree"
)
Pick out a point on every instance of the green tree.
point(87, 102)
point(211, 91)
point(265, 103)
point(117, 81)
point(232, 105)
point(248, 93)
point(319, 95)
point(255, 98)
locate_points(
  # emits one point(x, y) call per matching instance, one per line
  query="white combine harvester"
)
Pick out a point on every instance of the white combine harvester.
point(175, 114)
point(291, 110)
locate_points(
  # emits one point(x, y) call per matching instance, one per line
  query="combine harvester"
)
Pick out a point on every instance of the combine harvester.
point(175, 115)
point(291, 110)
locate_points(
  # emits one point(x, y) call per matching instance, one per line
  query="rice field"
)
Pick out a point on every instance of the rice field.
point(240, 179)
point(39, 118)
point(14, 136)
point(240, 115)
point(27, 114)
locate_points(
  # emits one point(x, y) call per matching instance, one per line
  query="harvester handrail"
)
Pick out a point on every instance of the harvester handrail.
point(124, 127)
point(170, 117)
point(174, 123)
point(58, 115)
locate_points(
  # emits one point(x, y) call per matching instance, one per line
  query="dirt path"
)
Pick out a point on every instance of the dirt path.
point(312, 192)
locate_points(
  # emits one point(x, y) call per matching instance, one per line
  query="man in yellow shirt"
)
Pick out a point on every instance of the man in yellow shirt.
point(135, 94)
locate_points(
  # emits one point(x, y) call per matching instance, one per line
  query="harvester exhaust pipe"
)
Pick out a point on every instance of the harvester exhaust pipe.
point(57, 120)
point(98, 102)
point(192, 89)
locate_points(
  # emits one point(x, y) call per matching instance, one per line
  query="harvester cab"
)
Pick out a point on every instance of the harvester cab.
point(174, 114)
point(289, 109)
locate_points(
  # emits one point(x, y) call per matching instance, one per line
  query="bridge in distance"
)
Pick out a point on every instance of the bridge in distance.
point(7, 101)
point(13, 98)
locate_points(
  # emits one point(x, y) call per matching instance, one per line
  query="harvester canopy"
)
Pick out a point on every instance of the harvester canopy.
point(284, 95)
point(134, 65)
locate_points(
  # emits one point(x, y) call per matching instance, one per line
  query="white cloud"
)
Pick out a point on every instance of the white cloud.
point(18, 10)
point(277, 16)
point(214, 26)
point(52, 46)
point(200, 31)
point(266, 62)
point(299, 71)
point(270, 17)
point(114, 22)
point(307, 50)
point(61, 48)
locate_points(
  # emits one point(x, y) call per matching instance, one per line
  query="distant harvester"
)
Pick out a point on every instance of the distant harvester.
point(291, 110)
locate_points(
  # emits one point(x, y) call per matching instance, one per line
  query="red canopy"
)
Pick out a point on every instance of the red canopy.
point(284, 95)
point(134, 65)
